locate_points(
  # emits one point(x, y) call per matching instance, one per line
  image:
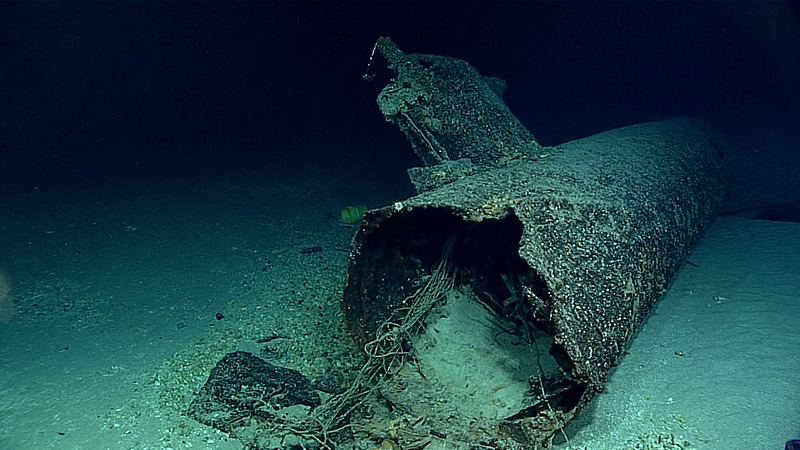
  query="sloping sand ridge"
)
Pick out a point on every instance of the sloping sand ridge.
point(7, 307)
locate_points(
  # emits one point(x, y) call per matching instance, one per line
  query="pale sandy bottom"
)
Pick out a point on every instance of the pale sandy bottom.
point(118, 290)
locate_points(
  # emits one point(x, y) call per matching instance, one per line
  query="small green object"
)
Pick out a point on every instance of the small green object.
point(353, 214)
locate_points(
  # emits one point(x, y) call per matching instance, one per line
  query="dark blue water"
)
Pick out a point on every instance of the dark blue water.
point(107, 90)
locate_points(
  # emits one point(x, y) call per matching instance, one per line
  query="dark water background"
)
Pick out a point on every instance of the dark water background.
point(99, 91)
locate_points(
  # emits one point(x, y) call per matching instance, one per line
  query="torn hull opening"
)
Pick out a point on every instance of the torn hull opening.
point(487, 349)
